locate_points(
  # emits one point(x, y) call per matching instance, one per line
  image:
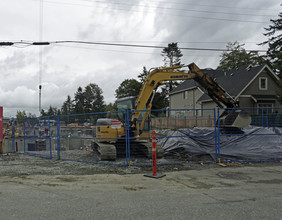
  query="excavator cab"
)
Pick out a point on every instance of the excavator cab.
point(128, 103)
point(123, 104)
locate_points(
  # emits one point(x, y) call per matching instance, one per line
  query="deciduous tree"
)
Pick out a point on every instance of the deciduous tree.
point(129, 87)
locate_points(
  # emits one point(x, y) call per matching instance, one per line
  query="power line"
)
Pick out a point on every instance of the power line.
point(145, 46)
point(182, 42)
point(164, 14)
point(191, 4)
point(177, 9)
point(133, 52)
point(212, 6)
point(118, 45)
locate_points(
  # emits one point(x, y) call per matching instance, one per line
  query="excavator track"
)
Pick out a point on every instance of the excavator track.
point(106, 151)
point(146, 148)
point(110, 151)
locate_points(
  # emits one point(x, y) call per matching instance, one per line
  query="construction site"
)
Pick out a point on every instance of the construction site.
point(226, 159)
point(124, 137)
point(145, 109)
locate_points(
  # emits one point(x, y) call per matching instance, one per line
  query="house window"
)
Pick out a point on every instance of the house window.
point(263, 83)
point(265, 108)
point(198, 112)
point(185, 95)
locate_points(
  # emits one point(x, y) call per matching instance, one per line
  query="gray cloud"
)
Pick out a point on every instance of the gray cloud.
point(65, 67)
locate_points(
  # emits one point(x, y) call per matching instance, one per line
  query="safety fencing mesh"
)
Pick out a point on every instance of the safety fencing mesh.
point(91, 138)
point(40, 136)
point(123, 138)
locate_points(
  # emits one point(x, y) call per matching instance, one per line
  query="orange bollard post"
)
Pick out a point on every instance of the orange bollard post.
point(154, 158)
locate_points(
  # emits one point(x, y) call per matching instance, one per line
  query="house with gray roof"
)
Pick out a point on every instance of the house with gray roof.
point(252, 86)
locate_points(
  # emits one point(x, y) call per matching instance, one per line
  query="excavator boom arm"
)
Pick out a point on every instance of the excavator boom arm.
point(159, 75)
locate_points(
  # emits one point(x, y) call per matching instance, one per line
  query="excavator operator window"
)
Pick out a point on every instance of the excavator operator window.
point(123, 104)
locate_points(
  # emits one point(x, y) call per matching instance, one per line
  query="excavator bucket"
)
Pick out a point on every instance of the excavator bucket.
point(235, 118)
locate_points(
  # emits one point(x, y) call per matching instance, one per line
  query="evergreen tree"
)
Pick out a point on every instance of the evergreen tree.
point(237, 56)
point(142, 76)
point(171, 57)
point(274, 52)
point(78, 101)
point(43, 113)
point(93, 99)
point(52, 111)
point(67, 106)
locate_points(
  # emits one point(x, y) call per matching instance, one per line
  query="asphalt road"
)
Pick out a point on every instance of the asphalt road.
point(208, 193)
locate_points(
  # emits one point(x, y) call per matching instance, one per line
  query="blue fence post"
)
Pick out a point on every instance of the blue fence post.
point(218, 137)
point(127, 137)
point(262, 119)
point(58, 138)
point(24, 135)
point(50, 137)
point(13, 136)
point(215, 133)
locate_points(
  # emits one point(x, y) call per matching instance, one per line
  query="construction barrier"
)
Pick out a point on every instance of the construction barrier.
point(184, 136)
point(154, 158)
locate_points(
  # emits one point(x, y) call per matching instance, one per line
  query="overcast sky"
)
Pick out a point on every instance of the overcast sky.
point(65, 67)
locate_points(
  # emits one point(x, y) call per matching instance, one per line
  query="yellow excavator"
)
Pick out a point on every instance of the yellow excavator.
point(111, 131)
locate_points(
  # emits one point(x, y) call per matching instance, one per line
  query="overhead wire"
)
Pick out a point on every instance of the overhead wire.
point(122, 51)
point(186, 4)
point(212, 6)
point(121, 45)
point(164, 14)
point(171, 8)
point(145, 46)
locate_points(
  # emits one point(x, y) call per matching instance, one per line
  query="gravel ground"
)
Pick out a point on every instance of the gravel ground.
point(37, 188)
point(22, 164)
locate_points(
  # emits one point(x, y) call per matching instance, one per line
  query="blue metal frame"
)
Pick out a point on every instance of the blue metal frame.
point(24, 136)
point(265, 120)
point(50, 137)
point(58, 138)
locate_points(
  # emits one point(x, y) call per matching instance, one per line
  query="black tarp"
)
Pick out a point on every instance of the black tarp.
point(255, 143)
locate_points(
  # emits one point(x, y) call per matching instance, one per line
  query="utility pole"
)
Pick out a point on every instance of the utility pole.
point(40, 50)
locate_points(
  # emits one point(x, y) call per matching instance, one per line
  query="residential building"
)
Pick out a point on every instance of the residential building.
point(252, 86)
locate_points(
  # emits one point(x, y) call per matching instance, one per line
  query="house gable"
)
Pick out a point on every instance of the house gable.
point(254, 87)
point(247, 84)
point(238, 82)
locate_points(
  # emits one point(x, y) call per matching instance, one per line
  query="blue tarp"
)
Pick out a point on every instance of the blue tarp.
point(255, 143)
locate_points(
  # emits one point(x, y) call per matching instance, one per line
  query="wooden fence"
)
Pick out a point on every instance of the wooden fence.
point(172, 123)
